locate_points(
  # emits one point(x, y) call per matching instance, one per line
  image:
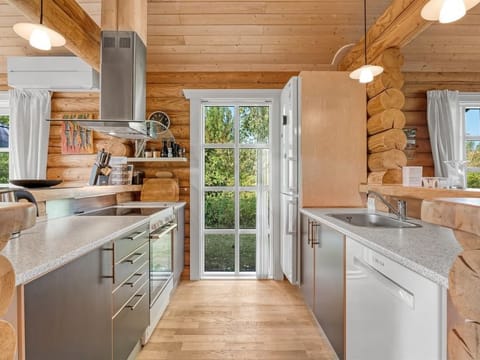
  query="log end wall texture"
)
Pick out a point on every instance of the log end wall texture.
point(464, 277)
point(386, 138)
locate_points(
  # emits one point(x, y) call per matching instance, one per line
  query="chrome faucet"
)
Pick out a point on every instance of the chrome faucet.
point(401, 210)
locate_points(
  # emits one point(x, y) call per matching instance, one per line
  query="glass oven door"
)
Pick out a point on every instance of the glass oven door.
point(161, 259)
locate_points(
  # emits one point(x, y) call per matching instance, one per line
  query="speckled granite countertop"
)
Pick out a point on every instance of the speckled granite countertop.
point(429, 250)
point(51, 244)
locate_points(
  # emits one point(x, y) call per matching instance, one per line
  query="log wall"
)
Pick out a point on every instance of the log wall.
point(164, 92)
point(386, 139)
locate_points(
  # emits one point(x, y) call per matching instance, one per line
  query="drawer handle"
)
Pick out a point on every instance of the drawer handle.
point(134, 258)
point(132, 307)
point(133, 283)
point(136, 235)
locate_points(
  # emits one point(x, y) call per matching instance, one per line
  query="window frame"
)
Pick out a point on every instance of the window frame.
point(5, 110)
point(236, 145)
point(467, 101)
point(196, 96)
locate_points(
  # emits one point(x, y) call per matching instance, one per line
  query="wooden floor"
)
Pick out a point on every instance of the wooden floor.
point(236, 319)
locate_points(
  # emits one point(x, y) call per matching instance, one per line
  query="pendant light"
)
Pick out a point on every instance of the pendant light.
point(366, 73)
point(38, 35)
point(447, 11)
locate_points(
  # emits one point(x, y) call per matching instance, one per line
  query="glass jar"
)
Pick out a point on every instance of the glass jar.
point(456, 170)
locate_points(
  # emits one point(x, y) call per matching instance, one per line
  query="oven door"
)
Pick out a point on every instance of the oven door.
point(161, 259)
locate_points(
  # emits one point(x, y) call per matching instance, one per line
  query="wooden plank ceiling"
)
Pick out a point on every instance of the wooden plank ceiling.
point(267, 35)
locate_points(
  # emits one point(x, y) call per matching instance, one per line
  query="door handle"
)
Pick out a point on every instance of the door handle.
point(315, 239)
point(112, 249)
point(308, 231)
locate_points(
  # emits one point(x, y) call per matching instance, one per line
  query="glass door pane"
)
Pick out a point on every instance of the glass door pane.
point(236, 166)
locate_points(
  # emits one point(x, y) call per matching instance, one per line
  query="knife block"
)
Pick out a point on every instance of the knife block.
point(94, 175)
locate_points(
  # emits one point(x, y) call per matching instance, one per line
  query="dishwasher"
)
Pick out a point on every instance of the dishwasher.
point(391, 312)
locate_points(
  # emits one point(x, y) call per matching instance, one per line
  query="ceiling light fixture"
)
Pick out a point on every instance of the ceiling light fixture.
point(447, 11)
point(38, 35)
point(366, 73)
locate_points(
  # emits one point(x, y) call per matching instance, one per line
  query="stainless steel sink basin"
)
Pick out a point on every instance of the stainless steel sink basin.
point(373, 220)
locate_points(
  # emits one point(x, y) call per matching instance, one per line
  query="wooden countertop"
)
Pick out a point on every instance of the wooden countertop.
point(419, 192)
point(55, 193)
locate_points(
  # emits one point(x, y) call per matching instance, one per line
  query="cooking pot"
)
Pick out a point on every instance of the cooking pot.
point(14, 194)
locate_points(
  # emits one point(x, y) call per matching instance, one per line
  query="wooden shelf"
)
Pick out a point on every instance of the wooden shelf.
point(419, 192)
point(172, 159)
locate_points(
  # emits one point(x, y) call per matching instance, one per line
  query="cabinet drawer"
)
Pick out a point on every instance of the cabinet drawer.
point(130, 287)
point(130, 323)
point(130, 241)
point(128, 265)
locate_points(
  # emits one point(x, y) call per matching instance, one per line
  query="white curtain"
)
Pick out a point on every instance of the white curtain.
point(264, 258)
point(444, 126)
point(29, 132)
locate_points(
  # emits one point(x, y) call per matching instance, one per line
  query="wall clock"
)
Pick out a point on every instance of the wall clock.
point(161, 117)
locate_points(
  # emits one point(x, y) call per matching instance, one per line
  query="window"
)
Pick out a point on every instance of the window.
point(470, 115)
point(4, 137)
point(236, 168)
point(472, 146)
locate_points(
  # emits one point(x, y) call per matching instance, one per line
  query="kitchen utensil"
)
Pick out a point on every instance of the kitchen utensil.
point(456, 173)
point(430, 182)
point(165, 189)
point(36, 183)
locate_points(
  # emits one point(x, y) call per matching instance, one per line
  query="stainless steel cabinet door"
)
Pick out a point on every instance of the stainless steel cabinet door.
point(68, 312)
point(329, 284)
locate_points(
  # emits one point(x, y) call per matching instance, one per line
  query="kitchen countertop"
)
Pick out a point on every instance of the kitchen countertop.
point(51, 244)
point(429, 250)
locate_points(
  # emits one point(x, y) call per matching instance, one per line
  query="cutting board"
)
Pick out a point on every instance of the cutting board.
point(162, 189)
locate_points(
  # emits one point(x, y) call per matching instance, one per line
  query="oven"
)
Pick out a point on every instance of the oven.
point(161, 258)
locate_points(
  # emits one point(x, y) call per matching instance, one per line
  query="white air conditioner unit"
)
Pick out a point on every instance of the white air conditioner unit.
point(54, 73)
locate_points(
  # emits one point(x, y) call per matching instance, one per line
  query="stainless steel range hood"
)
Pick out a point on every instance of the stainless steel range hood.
point(122, 87)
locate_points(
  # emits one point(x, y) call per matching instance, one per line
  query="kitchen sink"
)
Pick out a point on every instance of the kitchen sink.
point(373, 220)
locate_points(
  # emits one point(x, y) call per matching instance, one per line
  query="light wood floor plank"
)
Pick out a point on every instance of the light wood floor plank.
point(238, 320)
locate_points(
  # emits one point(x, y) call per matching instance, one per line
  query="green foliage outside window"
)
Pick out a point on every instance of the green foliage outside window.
point(219, 172)
point(4, 120)
point(473, 156)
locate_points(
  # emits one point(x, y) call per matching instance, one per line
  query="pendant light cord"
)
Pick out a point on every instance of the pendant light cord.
point(364, 28)
point(41, 12)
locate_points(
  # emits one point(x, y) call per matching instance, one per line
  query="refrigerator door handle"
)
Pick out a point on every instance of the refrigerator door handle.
point(289, 223)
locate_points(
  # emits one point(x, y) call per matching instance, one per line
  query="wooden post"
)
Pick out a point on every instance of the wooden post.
point(129, 15)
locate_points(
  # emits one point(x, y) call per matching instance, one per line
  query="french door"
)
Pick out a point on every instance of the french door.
point(235, 191)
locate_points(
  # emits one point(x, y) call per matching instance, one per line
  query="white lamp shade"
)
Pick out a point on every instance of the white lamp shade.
point(26, 30)
point(447, 11)
point(366, 73)
point(39, 39)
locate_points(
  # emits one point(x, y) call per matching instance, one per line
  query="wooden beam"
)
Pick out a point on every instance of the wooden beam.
point(69, 19)
point(129, 15)
point(396, 27)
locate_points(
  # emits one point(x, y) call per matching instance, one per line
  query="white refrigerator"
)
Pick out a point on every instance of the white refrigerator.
point(289, 179)
point(323, 152)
